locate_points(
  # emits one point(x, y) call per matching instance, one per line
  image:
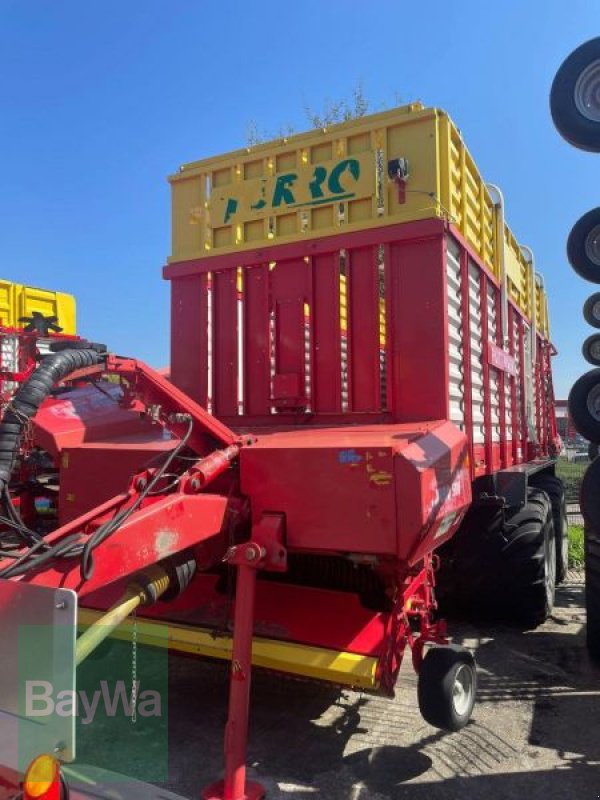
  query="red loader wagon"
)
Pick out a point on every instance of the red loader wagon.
point(359, 402)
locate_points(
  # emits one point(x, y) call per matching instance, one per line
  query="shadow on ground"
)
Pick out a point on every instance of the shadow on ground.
point(535, 732)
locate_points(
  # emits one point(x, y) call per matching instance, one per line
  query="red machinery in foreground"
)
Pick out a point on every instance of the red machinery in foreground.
point(360, 368)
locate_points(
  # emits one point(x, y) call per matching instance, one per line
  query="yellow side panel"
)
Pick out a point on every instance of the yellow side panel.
point(336, 180)
point(310, 185)
point(17, 300)
point(7, 303)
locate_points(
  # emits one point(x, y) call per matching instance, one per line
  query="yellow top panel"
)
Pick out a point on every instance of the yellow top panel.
point(17, 300)
point(336, 179)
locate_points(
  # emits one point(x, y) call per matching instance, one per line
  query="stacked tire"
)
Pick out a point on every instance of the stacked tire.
point(575, 109)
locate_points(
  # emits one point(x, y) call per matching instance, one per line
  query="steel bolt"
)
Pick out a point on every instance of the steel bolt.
point(195, 484)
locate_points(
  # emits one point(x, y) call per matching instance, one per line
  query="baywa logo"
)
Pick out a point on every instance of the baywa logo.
point(42, 701)
point(116, 702)
point(324, 186)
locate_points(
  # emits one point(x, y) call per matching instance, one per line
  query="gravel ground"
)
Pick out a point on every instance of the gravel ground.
point(535, 730)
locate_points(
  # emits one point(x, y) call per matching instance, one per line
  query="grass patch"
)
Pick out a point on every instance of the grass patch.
point(575, 546)
point(571, 475)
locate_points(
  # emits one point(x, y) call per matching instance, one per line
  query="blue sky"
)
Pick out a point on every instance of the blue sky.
point(101, 99)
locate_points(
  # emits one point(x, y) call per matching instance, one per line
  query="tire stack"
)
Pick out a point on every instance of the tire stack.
point(575, 109)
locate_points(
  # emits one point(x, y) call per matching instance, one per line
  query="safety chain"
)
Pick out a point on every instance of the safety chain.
point(134, 684)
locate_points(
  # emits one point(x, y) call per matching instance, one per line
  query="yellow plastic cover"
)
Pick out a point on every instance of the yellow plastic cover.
point(17, 300)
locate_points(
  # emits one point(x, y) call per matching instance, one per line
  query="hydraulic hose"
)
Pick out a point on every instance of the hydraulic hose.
point(30, 396)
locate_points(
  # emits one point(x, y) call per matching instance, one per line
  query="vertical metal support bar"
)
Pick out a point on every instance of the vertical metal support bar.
point(538, 390)
point(363, 330)
point(543, 395)
point(257, 341)
point(390, 312)
point(467, 366)
point(289, 282)
point(234, 785)
point(326, 334)
point(236, 733)
point(487, 399)
point(501, 384)
point(189, 336)
point(514, 412)
point(419, 330)
point(523, 378)
point(225, 343)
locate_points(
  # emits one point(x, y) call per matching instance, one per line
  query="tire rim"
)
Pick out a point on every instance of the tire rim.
point(594, 349)
point(593, 403)
point(587, 92)
point(592, 245)
point(462, 690)
point(596, 311)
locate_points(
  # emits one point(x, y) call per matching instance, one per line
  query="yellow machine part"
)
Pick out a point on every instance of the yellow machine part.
point(343, 668)
point(18, 300)
point(336, 180)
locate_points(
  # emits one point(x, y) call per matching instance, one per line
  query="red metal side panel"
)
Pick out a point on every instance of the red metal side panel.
point(514, 411)
point(502, 377)
point(225, 344)
point(189, 336)
point(326, 334)
point(466, 343)
point(417, 310)
point(289, 289)
point(257, 341)
point(487, 405)
point(363, 330)
point(523, 378)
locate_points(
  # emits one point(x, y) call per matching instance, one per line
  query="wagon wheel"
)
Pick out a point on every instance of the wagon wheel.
point(583, 247)
point(584, 405)
point(575, 97)
point(591, 310)
point(591, 349)
point(447, 687)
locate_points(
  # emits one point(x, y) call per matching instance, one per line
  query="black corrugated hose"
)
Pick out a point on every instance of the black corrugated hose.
point(30, 396)
point(23, 407)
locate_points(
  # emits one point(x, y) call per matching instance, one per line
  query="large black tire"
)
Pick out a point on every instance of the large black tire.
point(503, 569)
point(555, 490)
point(590, 349)
point(447, 687)
point(584, 405)
point(592, 590)
point(591, 310)
point(574, 97)
point(592, 450)
point(583, 246)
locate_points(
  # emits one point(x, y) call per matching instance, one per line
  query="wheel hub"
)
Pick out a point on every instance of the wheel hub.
point(593, 402)
point(462, 690)
point(592, 245)
point(587, 92)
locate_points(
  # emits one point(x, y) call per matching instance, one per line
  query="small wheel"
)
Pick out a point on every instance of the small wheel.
point(584, 405)
point(447, 687)
point(583, 246)
point(592, 451)
point(591, 310)
point(590, 349)
point(575, 97)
